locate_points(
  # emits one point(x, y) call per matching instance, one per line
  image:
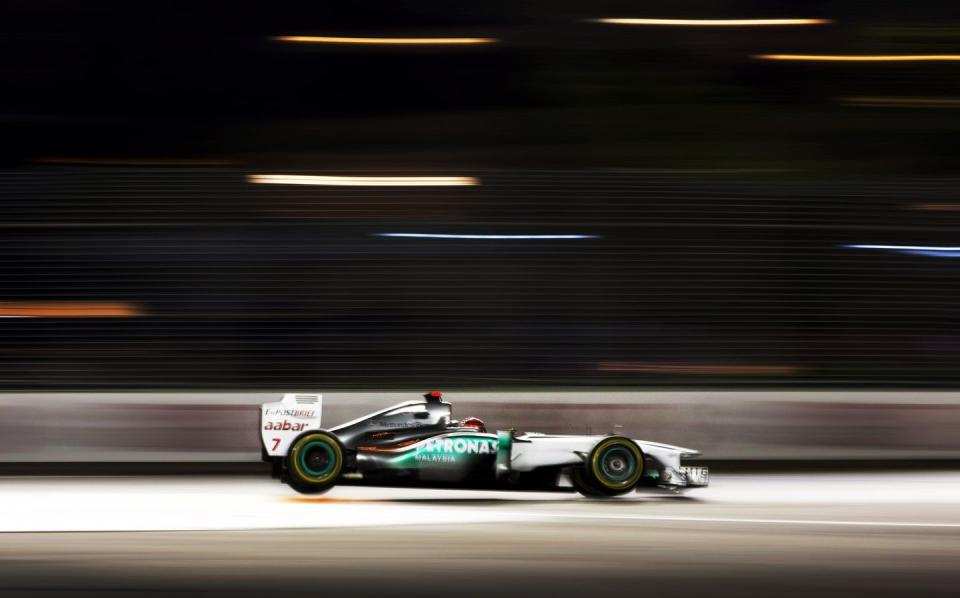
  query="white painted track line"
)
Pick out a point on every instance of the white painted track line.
point(922, 500)
point(741, 520)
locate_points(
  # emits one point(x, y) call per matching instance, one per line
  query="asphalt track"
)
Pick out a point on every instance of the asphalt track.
point(829, 534)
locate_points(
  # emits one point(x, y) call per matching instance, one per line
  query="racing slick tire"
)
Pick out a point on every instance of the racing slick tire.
point(613, 467)
point(314, 462)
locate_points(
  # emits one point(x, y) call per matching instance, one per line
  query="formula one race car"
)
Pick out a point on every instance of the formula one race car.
point(417, 443)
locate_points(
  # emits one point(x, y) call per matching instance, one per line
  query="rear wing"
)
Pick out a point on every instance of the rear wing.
point(284, 420)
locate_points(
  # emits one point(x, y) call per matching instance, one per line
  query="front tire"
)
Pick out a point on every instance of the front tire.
point(314, 462)
point(584, 485)
point(613, 467)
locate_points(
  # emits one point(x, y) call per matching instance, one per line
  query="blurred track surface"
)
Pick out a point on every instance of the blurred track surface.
point(881, 534)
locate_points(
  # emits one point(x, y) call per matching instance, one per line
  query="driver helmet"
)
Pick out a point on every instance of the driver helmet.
point(473, 422)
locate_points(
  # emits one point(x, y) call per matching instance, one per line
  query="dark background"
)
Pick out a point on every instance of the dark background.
point(719, 191)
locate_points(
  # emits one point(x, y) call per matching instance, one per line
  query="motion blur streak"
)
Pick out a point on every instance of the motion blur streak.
point(937, 207)
point(905, 247)
point(715, 22)
point(902, 102)
point(488, 237)
point(67, 309)
point(364, 181)
point(415, 41)
point(790, 536)
point(860, 57)
point(132, 162)
point(683, 368)
point(927, 251)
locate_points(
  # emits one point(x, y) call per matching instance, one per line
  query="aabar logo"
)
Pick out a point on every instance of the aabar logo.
point(285, 425)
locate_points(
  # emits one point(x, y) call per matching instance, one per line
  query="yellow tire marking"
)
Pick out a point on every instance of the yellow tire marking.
point(304, 476)
point(596, 457)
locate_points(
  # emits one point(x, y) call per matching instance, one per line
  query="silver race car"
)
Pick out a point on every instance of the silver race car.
point(418, 443)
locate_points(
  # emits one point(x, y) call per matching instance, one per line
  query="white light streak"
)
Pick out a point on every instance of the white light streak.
point(861, 57)
point(363, 181)
point(924, 250)
point(905, 247)
point(385, 41)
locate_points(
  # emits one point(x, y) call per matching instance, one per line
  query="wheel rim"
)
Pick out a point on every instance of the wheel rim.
point(618, 464)
point(317, 458)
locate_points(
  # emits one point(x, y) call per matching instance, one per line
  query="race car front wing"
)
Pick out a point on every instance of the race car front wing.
point(685, 477)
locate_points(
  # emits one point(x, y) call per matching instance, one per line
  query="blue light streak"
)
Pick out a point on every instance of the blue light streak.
point(923, 250)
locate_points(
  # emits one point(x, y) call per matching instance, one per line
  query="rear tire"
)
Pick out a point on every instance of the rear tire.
point(314, 462)
point(613, 467)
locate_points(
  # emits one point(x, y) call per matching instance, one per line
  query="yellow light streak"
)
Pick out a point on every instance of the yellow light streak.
point(397, 41)
point(364, 181)
point(715, 22)
point(67, 309)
